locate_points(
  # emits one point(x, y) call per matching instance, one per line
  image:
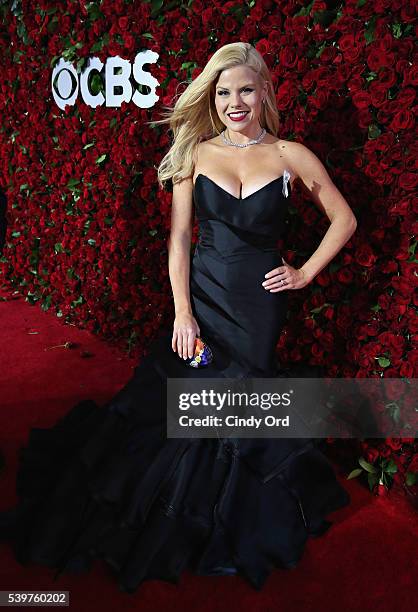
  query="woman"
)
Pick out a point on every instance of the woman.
point(106, 482)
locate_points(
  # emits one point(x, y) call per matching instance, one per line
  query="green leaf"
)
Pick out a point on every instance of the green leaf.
point(369, 31)
point(374, 131)
point(87, 146)
point(324, 17)
point(98, 46)
point(367, 466)
point(80, 64)
point(391, 467)
point(318, 310)
point(156, 6)
point(72, 183)
point(186, 65)
point(384, 362)
point(411, 478)
point(52, 25)
point(94, 11)
point(96, 84)
point(334, 266)
point(354, 473)
point(13, 136)
point(100, 159)
point(46, 302)
point(394, 410)
point(372, 479)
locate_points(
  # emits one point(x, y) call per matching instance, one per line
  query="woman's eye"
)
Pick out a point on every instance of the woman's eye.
point(225, 92)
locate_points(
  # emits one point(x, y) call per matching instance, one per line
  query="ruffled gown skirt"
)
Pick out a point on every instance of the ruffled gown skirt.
point(105, 482)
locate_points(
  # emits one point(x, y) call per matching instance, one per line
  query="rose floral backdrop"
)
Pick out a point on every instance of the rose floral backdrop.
point(88, 224)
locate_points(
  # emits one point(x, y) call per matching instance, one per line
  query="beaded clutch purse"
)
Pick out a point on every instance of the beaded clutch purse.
point(202, 357)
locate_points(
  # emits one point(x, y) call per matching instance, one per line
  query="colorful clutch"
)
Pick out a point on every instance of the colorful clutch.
point(202, 357)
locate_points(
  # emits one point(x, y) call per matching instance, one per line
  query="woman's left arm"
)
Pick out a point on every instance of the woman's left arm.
point(315, 179)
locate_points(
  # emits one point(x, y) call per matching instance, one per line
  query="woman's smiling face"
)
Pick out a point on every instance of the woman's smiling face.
point(239, 89)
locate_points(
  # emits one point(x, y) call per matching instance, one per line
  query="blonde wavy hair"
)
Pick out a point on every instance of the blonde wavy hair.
point(194, 117)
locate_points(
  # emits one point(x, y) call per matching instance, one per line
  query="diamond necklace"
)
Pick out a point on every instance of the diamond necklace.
point(247, 144)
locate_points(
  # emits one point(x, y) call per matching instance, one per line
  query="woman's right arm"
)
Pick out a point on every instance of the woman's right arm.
point(185, 327)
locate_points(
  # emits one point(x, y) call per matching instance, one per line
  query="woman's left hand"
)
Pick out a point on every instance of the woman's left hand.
point(285, 277)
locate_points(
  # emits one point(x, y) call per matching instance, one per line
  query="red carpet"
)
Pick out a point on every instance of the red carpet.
point(368, 559)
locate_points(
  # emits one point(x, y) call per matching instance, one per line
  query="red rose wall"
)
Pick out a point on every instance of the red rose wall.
point(88, 224)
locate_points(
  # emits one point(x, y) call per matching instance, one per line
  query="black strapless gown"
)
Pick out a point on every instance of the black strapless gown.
point(106, 482)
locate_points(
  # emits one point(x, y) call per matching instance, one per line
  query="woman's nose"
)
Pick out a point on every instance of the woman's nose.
point(236, 100)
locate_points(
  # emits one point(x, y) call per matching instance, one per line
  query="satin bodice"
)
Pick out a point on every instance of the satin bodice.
point(227, 223)
point(237, 246)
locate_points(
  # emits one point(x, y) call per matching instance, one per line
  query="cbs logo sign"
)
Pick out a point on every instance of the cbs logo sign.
point(118, 88)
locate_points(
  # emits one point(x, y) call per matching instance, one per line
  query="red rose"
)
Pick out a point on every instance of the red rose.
point(380, 490)
point(365, 256)
point(129, 42)
point(401, 285)
point(328, 313)
point(371, 454)
point(345, 275)
point(413, 466)
point(404, 120)
point(350, 47)
point(394, 443)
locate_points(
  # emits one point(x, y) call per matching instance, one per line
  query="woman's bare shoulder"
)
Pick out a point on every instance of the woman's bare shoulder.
point(286, 153)
point(205, 150)
point(296, 151)
point(284, 145)
point(210, 143)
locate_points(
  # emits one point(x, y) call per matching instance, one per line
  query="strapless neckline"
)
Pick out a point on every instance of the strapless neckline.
point(240, 199)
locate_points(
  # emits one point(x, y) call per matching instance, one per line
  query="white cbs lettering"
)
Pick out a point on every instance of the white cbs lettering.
point(145, 78)
point(121, 80)
point(65, 82)
point(88, 97)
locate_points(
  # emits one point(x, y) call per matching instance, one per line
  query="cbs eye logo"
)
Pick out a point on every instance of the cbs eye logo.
point(66, 83)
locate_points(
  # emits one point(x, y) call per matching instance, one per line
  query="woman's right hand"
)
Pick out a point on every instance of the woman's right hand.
point(185, 330)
